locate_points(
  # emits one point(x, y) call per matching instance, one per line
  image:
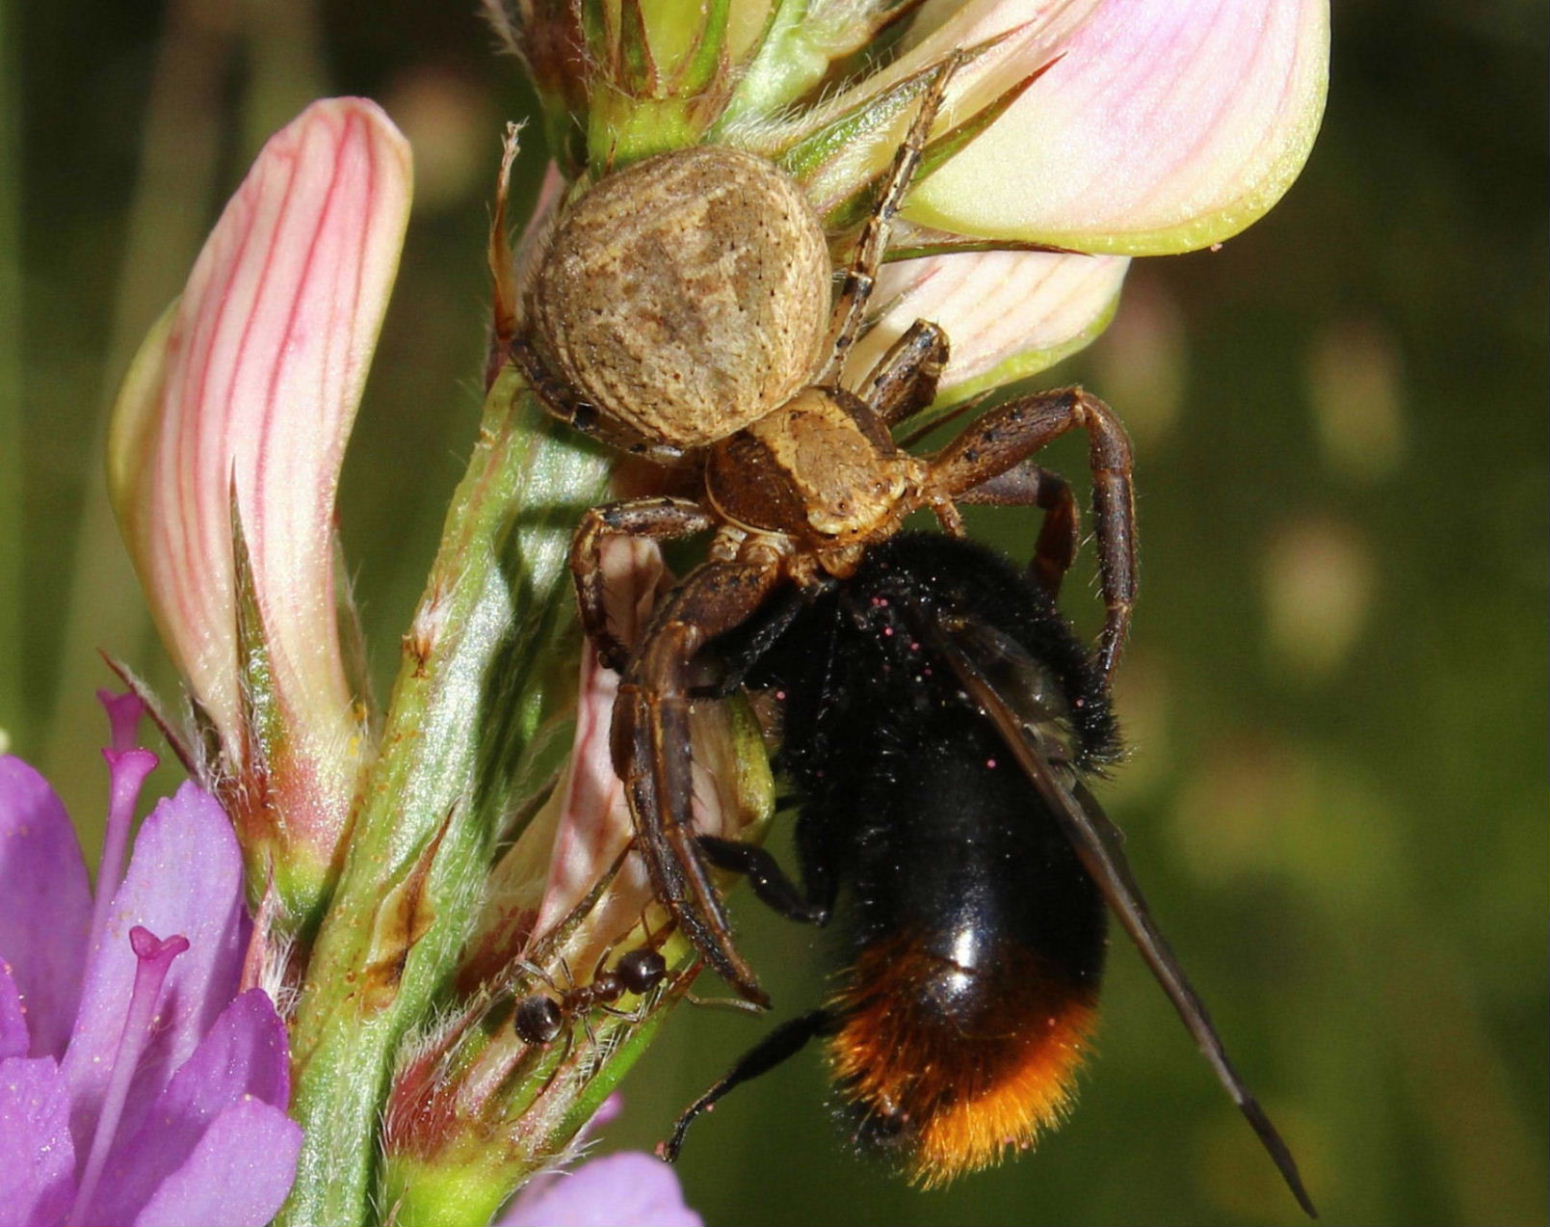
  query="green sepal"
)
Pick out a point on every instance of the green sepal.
point(661, 76)
point(838, 158)
point(911, 242)
point(276, 855)
point(483, 1111)
point(637, 73)
point(554, 1098)
point(800, 45)
point(936, 154)
point(807, 157)
point(708, 63)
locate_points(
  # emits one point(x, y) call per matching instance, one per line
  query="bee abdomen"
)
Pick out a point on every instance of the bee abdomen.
point(949, 1068)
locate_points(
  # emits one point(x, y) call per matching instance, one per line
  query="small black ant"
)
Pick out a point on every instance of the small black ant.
point(540, 1018)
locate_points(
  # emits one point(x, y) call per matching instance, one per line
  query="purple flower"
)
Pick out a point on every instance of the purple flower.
point(628, 1187)
point(137, 1085)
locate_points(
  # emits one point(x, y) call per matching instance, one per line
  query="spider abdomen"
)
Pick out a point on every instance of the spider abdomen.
point(684, 296)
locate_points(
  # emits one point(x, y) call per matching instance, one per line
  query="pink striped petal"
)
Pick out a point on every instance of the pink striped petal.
point(1167, 125)
point(1030, 36)
point(1007, 315)
point(251, 384)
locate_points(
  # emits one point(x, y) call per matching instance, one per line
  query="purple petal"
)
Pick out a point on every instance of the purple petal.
point(185, 879)
point(238, 1175)
point(629, 1187)
point(155, 958)
point(37, 1158)
point(244, 1057)
point(46, 907)
point(14, 1040)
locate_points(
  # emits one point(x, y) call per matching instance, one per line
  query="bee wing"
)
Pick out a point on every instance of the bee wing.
point(977, 658)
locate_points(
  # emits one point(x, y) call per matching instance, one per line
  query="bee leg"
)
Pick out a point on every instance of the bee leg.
point(785, 1041)
point(1008, 435)
point(652, 752)
point(659, 519)
point(764, 874)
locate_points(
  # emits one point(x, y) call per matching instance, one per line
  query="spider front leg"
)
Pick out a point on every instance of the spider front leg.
point(659, 519)
point(904, 382)
point(861, 276)
point(652, 751)
point(1006, 436)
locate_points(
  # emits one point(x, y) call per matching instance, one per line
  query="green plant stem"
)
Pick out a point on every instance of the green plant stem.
point(467, 699)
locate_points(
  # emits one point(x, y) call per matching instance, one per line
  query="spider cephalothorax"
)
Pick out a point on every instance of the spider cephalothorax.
point(682, 310)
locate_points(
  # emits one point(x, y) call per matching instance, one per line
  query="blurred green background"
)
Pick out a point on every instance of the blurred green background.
point(1337, 690)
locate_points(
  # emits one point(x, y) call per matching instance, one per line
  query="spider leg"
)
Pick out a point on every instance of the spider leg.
point(904, 380)
point(1027, 485)
point(861, 275)
point(660, 519)
point(652, 751)
point(1006, 436)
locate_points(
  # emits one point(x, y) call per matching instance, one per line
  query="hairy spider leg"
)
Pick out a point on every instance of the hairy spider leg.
point(861, 275)
point(1027, 484)
point(1006, 436)
point(660, 519)
point(903, 383)
point(650, 736)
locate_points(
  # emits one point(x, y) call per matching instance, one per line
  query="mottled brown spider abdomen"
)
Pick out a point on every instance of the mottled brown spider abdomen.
point(685, 296)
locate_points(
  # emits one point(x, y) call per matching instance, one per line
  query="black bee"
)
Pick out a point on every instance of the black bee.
point(939, 719)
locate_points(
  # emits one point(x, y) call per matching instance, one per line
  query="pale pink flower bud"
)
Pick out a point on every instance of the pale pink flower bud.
point(1007, 314)
point(243, 396)
point(1161, 126)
